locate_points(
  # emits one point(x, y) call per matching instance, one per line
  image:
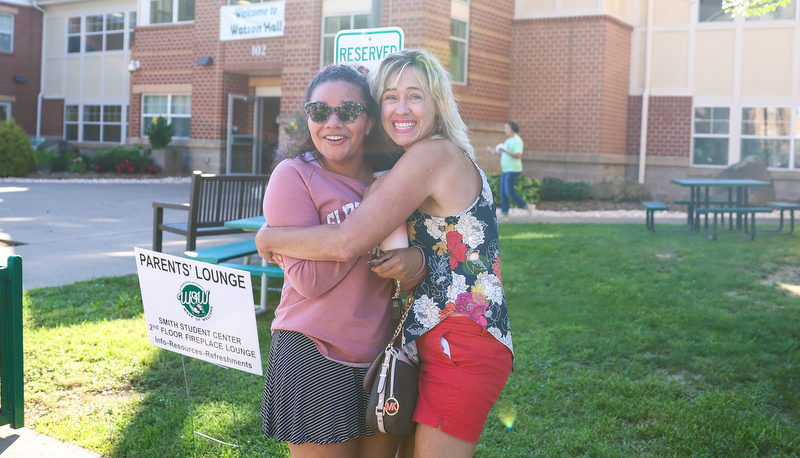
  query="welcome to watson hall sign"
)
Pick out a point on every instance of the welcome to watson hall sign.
point(258, 20)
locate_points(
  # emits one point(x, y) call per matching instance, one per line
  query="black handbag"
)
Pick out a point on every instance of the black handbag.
point(392, 383)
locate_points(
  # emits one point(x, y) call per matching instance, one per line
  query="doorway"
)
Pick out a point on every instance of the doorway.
point(253, 133)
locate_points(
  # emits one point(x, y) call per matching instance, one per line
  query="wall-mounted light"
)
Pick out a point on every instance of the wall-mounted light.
point(20, 79)
point(133, 66)
point(205, 61)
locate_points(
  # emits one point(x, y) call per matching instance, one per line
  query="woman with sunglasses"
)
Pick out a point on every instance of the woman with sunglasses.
point(334, 317)
point(459, 328)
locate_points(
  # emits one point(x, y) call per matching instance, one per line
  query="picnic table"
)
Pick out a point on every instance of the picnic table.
point(245, 249)
point(737, 202)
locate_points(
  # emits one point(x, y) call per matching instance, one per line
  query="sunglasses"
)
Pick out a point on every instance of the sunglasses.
point(346, 112)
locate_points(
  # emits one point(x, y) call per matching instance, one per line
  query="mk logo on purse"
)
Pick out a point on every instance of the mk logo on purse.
point(391, 406)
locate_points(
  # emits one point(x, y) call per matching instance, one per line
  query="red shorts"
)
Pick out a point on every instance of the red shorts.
point(457, 392)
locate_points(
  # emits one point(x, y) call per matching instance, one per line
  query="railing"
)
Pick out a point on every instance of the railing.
point(11, 380)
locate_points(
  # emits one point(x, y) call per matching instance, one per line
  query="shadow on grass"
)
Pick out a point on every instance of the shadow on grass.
point(151, 414)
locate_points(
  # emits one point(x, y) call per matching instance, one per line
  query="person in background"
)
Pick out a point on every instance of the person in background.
point(458, 329)
point(511, 164)
point(333, 317)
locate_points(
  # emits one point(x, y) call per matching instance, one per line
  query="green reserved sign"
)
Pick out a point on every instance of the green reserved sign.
point(367, 47)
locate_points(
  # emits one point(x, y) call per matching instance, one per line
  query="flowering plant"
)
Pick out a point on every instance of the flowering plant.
point(160, 132)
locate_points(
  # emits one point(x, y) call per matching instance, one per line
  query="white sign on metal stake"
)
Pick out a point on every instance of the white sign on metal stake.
point(367, 47)
point(199, 310)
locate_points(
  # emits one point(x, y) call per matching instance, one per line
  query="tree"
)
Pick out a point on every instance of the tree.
point(752, 7)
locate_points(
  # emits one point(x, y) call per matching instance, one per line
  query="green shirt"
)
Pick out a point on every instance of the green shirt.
point(514, 145)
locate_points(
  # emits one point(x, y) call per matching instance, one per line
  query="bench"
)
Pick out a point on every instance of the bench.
point(213, 199)
point(745, 211)
point(782, 206)
point(721, 203)
point(650, 207)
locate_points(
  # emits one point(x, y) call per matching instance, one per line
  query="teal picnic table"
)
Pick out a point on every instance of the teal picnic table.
point(248, 224)
point(253, 224)
point(699, 198)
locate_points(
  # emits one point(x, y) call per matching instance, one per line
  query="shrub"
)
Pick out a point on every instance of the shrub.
point(160, 132)
point(58, 155)
point(526, 187)
point(122, 160)
point(557, 189)
point(17, 157)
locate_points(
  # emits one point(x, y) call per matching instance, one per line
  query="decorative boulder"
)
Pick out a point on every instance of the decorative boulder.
point(619, 189)
point(749, 168)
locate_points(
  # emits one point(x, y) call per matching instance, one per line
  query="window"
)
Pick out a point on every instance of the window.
point(333, 24)
point(5, 111)
point(132, 19)
point(166, 11)
point(766, 134)
point(176, 108)
point(97, 123)
point(6, 32)
point(711, 11)
point(74, 34)
point(711, 135)
point(458, 50)
point(101, 32)
point(71, 122)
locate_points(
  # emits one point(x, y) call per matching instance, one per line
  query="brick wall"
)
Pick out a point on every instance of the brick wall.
point(486, 95)
point(669, 126)
point(569, 84)
point(301, 52)
point(52, 117)
point(24, 60)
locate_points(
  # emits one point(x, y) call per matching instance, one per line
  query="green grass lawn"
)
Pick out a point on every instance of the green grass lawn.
point(627, 344)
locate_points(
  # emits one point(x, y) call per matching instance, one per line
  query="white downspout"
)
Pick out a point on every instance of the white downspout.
point(41, 74)
point(648, 58)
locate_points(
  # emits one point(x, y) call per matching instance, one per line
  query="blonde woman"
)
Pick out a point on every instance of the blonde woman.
point(459, 329)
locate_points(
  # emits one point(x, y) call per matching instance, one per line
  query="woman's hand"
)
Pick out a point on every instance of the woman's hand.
point(402, 264)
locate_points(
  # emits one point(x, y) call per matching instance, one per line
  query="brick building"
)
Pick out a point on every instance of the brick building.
point(20, 38)
point(581, 77)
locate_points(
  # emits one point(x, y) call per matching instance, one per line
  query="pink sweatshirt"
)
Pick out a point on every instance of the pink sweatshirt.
point(342, 306)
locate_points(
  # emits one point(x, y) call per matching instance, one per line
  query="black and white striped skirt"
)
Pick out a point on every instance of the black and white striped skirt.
point(309, 398)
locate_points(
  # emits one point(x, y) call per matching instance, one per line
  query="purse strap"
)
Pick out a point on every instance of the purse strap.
point(409, 303)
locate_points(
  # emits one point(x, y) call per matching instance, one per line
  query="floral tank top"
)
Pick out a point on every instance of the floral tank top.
point(463, 256)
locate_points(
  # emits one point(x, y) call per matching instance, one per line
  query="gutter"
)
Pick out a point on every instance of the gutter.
point(648, 64)
point(39, 97)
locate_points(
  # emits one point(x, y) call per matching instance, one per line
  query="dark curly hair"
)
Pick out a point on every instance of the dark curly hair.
point(301, 141)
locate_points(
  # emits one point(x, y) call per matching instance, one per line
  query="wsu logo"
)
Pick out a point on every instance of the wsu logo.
point(194, 299)
point(391, 406)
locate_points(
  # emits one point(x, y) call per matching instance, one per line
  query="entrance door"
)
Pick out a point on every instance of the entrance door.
point(252, 133)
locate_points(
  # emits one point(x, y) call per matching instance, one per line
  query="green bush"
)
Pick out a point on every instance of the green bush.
point(557, 189)
point(526, 187)
point(17, 157)
point(59, 155)
point(160, 132)
point(122, 160)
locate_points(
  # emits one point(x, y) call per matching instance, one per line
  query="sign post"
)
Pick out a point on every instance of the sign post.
point(367, 47)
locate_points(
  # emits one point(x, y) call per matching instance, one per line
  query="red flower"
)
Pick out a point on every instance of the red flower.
point(496, 268)
point(457, 250)
point(472, 304)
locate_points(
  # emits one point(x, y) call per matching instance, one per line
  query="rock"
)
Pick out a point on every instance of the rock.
point(749, 168)
point(619, 189)
point(62, 147)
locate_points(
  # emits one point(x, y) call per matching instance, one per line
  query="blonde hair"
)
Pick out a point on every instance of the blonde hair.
point(436, 81)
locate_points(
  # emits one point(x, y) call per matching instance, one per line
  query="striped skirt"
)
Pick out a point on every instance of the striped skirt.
point(309, 398)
